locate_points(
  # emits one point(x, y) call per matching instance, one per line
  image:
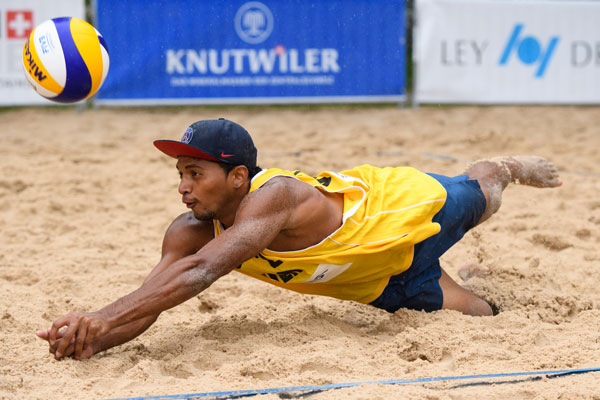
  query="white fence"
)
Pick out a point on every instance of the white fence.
point(17, 20)
point(495, 51)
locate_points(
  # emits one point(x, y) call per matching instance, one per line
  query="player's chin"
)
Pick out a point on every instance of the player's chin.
point(205, 216)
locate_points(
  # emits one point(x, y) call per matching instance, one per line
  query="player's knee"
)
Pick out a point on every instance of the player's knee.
point(493, 199)
point(466, 302)
point(478, 308)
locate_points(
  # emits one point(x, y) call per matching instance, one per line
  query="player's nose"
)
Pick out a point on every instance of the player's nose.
point(184, 186)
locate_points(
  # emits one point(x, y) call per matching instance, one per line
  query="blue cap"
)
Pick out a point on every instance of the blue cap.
point(217, 140)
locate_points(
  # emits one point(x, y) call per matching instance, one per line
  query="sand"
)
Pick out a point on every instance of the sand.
point(85, 200)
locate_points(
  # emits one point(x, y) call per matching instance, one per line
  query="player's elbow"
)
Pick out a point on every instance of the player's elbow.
point(200, 275)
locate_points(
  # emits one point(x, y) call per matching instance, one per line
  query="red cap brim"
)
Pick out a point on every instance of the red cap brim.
point(176, 149)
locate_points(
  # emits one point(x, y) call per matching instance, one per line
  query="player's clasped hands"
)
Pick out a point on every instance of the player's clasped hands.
point(74, 334)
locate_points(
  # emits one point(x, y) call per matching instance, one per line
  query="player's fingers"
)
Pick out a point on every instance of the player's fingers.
point(81, 339)
point(59, 336)
point(56, 325)
point(69, 351)
point(64, 342)
point(88, 340)
point(43, 334)
point(95, 330)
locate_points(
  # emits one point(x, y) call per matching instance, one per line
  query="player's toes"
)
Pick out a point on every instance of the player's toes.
point(549, 173)
point(556, 181)
point(551, 180)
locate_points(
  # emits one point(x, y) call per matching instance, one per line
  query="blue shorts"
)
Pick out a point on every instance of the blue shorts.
point(418, 288)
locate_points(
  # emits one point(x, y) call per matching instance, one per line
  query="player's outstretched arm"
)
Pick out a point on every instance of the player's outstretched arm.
point(261, 216)
point(184, 236)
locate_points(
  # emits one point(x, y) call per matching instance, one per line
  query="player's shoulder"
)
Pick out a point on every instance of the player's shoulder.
point(281, 188)
point(186, 222)
point(189, 232)
point(285, 183)
point(280, 194)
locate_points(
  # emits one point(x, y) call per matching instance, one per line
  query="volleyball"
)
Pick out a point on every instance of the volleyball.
point(65, 59)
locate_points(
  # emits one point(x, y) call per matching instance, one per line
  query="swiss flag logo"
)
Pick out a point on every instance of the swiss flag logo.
point(19, 24)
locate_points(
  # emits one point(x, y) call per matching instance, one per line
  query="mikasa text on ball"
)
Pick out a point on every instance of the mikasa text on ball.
point(65, 59)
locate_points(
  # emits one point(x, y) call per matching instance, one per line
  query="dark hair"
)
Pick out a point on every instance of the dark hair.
point(228, 167)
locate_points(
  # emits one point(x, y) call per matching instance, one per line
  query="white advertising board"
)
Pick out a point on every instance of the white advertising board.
point(17, 20)
point(502, 51)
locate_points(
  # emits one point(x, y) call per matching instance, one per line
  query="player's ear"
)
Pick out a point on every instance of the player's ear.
point(238, 175)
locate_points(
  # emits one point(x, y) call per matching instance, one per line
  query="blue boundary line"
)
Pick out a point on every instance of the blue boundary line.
point(312, 388)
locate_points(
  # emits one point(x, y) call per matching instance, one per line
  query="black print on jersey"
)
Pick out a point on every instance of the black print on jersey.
point(325, 181)
point(272, 263)
point(284, 276)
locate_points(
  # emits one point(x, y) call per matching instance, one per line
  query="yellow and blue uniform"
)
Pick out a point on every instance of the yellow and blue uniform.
point(387, 211)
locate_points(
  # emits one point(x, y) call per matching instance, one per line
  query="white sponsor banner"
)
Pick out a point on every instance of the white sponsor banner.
point(499, 51)
point(17, 20)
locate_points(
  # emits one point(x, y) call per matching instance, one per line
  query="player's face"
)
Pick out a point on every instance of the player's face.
point(204, 187)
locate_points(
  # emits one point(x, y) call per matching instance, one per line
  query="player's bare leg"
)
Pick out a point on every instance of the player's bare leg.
point(460, 299)
point(493, 176)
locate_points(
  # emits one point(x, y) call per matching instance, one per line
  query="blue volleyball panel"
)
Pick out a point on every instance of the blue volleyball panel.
point(79, 81)
point(103, 43)
point(279, 50)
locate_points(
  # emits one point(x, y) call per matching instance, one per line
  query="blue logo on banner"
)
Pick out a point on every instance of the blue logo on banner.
point(529, 50)
point(254, 22)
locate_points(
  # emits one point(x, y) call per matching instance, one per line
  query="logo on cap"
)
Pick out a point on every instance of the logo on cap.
point(187, 135)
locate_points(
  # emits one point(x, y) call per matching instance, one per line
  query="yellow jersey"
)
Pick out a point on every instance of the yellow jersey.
point(386, 212)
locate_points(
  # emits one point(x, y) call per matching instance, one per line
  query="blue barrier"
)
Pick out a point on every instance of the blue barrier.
point(273, 51)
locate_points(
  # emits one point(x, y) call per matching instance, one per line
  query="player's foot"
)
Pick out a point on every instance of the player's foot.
point(530, 170)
